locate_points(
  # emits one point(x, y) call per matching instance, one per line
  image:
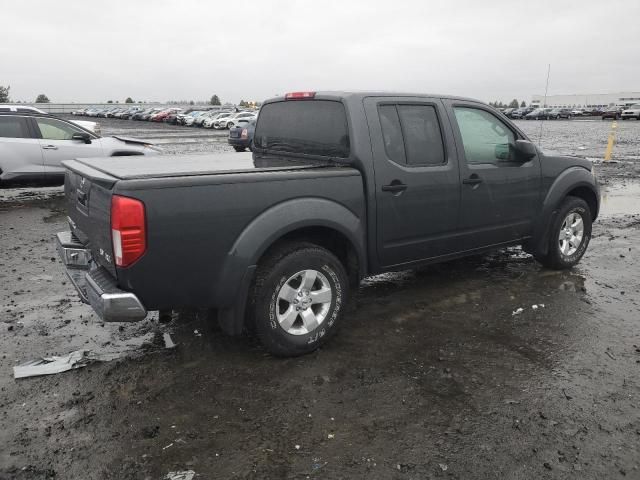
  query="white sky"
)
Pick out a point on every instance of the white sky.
point(90, 51)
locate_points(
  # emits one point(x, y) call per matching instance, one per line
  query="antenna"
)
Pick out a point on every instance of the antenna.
point(544, 105)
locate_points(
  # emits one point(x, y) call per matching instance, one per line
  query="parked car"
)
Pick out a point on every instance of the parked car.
point(87, 125)
point(142, 113)
point(275, 241)
point(612, 112)
point(578, 112)
point(631, 112)
point(557, 113)
point(147, 116)
point(538, 114)
point(211, 119)
point(507, 112)
point(241, 135)
point(161, 115)
point(33, 145)
point(191, 118)
point(221, 118)
point(230, 121)
point(200, 119)
point(521, 112)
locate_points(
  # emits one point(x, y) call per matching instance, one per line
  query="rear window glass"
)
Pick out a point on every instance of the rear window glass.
point(311, 127)
point(13, 127)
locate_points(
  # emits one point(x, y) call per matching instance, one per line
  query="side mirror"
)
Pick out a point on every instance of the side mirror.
point(81, 137)
point(524, 150)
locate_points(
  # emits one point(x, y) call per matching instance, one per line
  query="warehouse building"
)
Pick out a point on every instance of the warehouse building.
point(592, 100)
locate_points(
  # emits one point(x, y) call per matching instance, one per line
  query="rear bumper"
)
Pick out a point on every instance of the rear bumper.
point(95, 285)
point(238, 142)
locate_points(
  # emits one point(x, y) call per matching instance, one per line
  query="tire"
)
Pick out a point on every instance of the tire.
point(563, 252)
point(239, 149)
point(293, 334)
point(229, 126)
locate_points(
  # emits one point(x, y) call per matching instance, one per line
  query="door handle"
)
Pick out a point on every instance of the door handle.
point(49, 147)
point(474, 179)
point(394, 187)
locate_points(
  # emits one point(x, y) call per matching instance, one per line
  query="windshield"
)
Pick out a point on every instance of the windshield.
point(308, 127)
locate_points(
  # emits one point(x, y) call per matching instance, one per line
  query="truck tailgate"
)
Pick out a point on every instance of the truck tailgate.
point(88, 197)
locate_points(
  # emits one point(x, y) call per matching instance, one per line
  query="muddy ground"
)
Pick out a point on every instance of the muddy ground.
point(431, 376)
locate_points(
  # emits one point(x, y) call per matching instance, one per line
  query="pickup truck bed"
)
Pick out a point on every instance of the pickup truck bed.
point(207, 218)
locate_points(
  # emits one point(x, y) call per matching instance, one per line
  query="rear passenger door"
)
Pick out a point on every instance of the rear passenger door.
point(500, 195)
point(20, 154)
point(416, 178)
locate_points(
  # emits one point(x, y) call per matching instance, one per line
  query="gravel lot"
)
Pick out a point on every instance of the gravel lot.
point(431, 376)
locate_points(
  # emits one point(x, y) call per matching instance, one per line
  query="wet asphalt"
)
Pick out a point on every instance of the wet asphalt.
point(435, 373)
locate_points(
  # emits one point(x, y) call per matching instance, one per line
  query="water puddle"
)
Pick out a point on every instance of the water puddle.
point(621, 199)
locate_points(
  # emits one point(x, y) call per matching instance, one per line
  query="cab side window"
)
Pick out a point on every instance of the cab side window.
point(411, 134)
point(392, 133)
point(485, 138)
point(52, 129)
point(13, 127)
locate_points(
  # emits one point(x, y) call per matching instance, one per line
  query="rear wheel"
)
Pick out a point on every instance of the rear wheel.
point(229, 125)
point(569, 235)
point(298, 296)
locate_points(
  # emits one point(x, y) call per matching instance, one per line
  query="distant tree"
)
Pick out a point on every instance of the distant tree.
point(214, 100)
point(513, 104)
point(242, 103)
point(109, 101)
point(191, 102)
point(129, 100)
point(42, 98)
point(523, 104)
point(4, 94)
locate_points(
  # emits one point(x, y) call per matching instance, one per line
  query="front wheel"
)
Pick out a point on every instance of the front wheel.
point(229, 125)
point(569, 235)
point(239, 149)
point(298, 296)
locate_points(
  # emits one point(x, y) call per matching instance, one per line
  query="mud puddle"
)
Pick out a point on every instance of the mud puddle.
point(621, 199)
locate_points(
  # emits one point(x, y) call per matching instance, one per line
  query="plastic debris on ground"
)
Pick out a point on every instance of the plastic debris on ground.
point(55, 364)
point(182, 475)
point(168, 342)
point(517, 311)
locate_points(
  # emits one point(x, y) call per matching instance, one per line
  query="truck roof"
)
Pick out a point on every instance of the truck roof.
point(356, 94)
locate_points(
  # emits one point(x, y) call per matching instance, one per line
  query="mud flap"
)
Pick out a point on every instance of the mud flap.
point(231, 319)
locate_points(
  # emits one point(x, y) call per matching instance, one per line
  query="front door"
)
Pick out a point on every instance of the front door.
point(500, 194)
point(57, 145)
point(416, 178)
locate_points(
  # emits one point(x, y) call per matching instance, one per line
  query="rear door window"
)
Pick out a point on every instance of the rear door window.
point(422, 136)
point(311, 127)
point(412, 134)
point(14, 127)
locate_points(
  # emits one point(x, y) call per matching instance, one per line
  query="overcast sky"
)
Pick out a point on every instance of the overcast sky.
point(90, 51)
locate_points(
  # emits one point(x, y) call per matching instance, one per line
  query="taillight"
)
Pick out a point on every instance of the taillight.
point(128, 230)
point(299, 95)
point(244, 134)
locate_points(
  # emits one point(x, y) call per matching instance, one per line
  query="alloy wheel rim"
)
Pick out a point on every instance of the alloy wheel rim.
point(571, 234)
point(303, 302)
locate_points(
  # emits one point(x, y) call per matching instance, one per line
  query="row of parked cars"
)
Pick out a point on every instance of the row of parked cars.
point(218, 118)
point(532, 113)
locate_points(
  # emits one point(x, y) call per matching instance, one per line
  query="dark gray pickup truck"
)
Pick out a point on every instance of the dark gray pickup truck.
point(339, 186)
